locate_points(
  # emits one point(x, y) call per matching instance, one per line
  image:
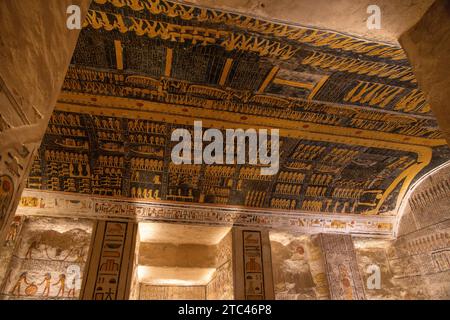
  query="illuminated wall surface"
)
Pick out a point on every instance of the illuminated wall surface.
point(298, 268)
point(178, 262)
point(48, 258)
point(416, 265)
point(172, 293)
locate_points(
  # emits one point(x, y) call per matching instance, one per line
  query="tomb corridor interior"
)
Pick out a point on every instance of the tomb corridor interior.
point(94, 207)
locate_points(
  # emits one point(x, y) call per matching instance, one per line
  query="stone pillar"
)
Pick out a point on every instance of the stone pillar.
point(110, 268)
point(343, 275)
point(35, 50)
point(252, 265)
point(427, 46)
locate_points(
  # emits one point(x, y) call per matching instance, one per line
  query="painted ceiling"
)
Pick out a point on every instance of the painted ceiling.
point(356, 130)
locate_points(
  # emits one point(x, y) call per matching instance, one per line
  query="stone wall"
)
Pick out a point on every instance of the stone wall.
point(7, 249)
point(221, 285)
point(148, 292)
point(416, 265)
point(298, 267)
point(48, 259)
point(35, 52)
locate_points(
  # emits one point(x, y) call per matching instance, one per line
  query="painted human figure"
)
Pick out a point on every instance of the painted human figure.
point(13, 230)
point(46, 283)
point(62, 283)
point(71, 292)
point(17, 286)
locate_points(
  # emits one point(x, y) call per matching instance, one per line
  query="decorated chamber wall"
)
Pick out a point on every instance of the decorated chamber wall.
point(191, 266)
point(417, 263)
point(48, 258)
point(427, 204)
point(150, 292)
point(410, 268)
point(7, 248)
point(395, 283)
point(220, 287)
point(298, 267)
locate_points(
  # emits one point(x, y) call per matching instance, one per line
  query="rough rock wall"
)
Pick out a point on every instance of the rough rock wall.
point(427, 46)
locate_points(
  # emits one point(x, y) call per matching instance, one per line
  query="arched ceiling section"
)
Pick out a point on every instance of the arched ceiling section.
point(425, 205)
point(356, 130)
point(348, 16)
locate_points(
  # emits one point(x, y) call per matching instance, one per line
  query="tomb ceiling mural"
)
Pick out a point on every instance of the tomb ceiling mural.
point(355, 129)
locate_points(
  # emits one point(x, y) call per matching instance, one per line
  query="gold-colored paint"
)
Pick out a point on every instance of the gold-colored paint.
point(225, 71)
point(268, 79)
point(148, 109)
point(414, 101)
point(317, 87)
point(319, 38)
point(362, 67)
point(36, 198)
point(181, 33)
point(113, 106)
point(374, 94)
point(93, 84)
point(119, 54)
point(296, 84)
point(408, 176)
point(169, 58)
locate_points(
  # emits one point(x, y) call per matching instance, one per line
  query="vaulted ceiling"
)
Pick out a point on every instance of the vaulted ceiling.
point(356, 130)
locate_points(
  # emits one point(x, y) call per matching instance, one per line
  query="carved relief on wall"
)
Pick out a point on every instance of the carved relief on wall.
point(253, 265)
point(36, 202)
point(343, 275)
point(427, 204)
point(111, 258)
point(7, 249)
point(49, 259)
point(220, 287)
point(151, 292)
point(298, 267)
point(416, 266)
